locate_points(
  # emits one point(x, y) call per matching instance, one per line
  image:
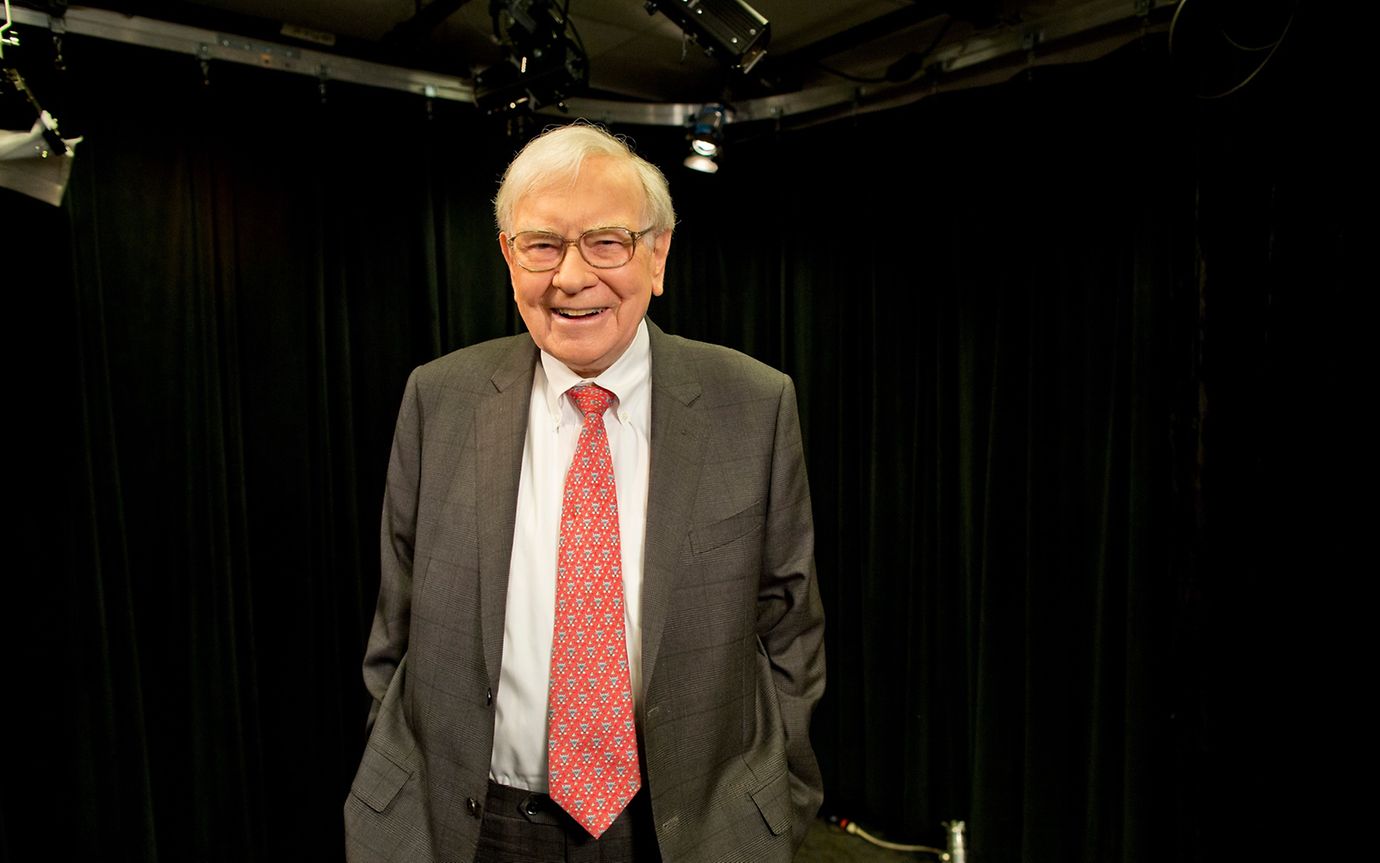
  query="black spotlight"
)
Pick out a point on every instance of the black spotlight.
point(542, 65)
point(729, 29)
point(706, 139)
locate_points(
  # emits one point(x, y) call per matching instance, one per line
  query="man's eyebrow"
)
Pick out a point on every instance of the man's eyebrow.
point(550, 230)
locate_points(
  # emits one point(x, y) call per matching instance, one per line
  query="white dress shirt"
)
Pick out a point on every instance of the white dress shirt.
point(553, 430)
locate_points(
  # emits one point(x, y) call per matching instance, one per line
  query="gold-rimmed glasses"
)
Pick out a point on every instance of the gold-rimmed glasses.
point(602, 248)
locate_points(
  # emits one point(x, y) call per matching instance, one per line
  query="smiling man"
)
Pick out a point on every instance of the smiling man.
point(598, 633)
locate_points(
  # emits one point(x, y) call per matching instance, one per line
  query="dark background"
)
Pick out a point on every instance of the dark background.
point(1079, 364)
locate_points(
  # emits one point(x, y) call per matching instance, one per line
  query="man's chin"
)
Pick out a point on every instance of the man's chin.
point(585, 363)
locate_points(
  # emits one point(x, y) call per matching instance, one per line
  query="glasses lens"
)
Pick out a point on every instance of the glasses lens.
point(607, 247)
point(538, 251)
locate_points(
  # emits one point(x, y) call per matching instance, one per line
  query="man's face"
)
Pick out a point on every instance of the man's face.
point(555, 305)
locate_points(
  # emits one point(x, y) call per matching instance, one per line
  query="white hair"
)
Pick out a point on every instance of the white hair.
point(555, 156)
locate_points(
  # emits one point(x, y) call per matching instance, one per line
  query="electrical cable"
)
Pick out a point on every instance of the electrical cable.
point(853, 829)
point(1174, 24)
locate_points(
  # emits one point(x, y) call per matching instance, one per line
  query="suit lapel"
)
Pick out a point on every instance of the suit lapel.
point(501, 429)
point(677, 445)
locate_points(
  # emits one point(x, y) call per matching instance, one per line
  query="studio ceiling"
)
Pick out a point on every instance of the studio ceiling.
point(635, 55)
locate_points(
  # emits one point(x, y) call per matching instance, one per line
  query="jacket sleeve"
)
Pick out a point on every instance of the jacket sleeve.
point(392, 616)
point(790, 616)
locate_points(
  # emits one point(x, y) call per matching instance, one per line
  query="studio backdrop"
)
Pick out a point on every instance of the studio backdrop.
point(997, 311)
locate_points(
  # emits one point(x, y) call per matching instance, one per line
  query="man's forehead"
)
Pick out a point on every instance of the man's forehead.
point(602, 195)
point(604, 172)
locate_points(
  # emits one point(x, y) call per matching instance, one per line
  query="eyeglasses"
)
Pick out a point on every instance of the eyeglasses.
point(602, 248)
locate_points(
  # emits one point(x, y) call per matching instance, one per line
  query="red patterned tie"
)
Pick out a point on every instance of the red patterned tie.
point(592, 745)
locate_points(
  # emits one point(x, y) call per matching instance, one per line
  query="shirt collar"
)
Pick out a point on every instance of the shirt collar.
point(627, 378)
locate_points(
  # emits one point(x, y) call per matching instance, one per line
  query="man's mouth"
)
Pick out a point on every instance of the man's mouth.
point(578, 313)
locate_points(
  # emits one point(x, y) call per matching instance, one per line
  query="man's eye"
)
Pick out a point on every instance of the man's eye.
point(539, 244)
point(604, 241)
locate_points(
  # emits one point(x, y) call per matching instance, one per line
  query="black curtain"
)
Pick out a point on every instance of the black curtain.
point(991, 303)
point(1053, 342)
point(243, 272)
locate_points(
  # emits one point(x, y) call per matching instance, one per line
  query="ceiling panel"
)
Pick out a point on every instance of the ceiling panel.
point(645, 58)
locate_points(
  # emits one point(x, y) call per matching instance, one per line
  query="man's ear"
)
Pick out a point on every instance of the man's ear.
point(660, 250)
point(505, 249)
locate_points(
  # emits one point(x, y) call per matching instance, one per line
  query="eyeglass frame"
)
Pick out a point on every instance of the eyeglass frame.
point(566, 244)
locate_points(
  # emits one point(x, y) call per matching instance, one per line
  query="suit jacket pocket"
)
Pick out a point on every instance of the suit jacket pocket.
point(773, 800)
point(709, 537)
point(378, 779)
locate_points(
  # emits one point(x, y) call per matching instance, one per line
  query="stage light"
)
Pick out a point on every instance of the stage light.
point(706, 139)
point(544, 61)
point(38, 162)
point(728, 29)
point(704, 164)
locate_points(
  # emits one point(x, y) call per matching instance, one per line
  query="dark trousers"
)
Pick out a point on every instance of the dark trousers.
point(526, 827)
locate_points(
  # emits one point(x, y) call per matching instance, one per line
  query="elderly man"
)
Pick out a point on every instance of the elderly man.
point(598, 633)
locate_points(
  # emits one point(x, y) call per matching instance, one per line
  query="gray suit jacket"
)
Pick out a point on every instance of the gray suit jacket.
point(732, 626)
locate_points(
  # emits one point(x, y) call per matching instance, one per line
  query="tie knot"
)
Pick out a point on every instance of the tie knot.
point(591, 399)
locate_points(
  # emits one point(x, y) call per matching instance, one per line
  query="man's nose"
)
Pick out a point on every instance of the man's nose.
point(574, 274)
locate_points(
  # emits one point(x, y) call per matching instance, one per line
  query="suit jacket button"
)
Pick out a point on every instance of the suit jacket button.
point(488, 697)
point(473, 806)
